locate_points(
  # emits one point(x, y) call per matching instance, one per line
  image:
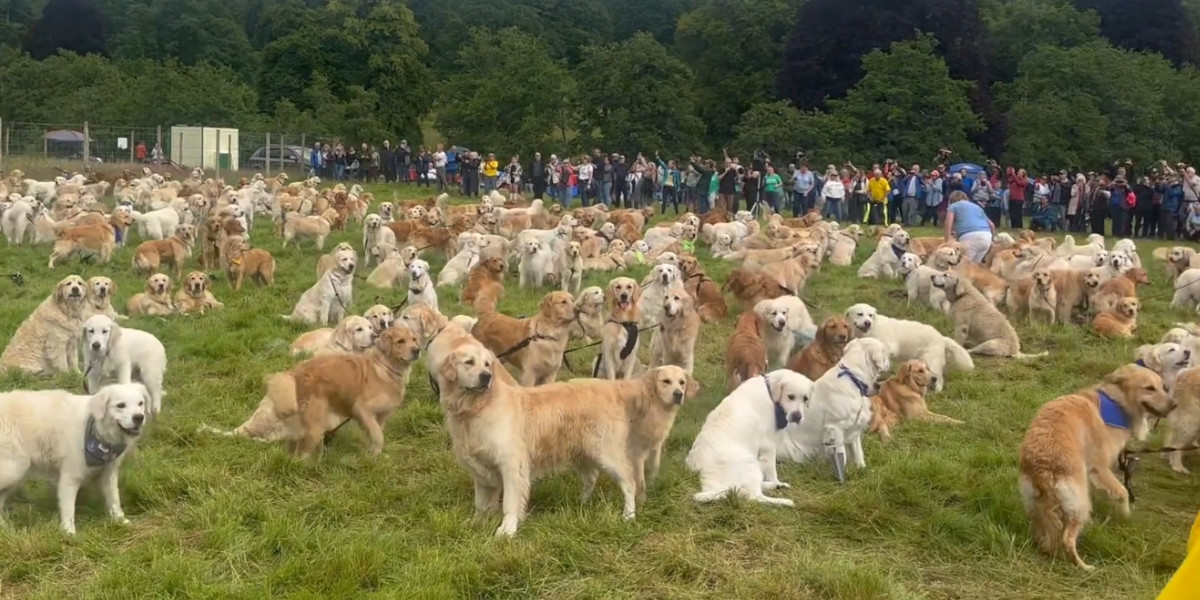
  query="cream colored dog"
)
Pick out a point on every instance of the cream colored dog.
point(47, 341)
point(328, 300)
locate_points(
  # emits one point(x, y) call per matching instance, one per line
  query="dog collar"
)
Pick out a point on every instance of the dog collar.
point(235, 261)
point(97, 452)
point(631, 337)
point(1111, 413)
point(898, 251)
point(118, 234)
point(1139, 362)
point(688, 246)
point(780, 416)
point(858, 383)
point(641, 256)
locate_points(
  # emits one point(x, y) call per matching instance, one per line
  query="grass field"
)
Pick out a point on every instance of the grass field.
point(935, 515)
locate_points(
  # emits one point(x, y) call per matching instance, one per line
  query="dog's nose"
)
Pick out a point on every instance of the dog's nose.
point(138, 419)
point(933, 380)
point(795, 416)
point(678, 395)
point(95, 345)
point(485, 378)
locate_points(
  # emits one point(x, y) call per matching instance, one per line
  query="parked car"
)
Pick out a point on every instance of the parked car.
point(289, 156)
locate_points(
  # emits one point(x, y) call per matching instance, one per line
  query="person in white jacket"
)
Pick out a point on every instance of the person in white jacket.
point(834, 193)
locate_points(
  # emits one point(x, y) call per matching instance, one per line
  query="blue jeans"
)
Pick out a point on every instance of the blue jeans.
point(489, 183)
point(339, 171)
point(606, 193)
point(583, 191)
point(773, 198)
point(834, 208)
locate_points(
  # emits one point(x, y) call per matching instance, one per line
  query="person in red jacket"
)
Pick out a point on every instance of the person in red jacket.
point(139, 152)
point(1018, 180)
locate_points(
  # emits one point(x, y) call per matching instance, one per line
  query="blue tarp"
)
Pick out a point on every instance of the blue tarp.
point(972, 169)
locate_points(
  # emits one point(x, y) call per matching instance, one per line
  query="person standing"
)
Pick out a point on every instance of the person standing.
point(608, 173)
point(514, 176)
point(1172, 200)
point(404, 161)
point(1145, 221)
point(439, 168)
point(1018, 181)
point(751, 180)
point(621, 197)
point(969, 225)
point(538, 176)
point(727, 187)
point(565, 174)
point(387, 162)
point(935, 194)
point(1077, 205)
point(139, 152)
point(834, 195)
point(858, 195)
point(803, 185)
point(704, 177)
point(469, 167)
point(491, 172)
point(671, 182)
point(583, 177)
point(983, 194)
point(156, 154)
point(913, 190)
point(878, 190)
point(1098, 204)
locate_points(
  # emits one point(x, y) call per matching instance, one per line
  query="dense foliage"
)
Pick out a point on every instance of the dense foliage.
point(1040, 82)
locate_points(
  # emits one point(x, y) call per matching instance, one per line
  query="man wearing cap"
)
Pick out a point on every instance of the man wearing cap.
point(912, 190)
point(934, 211)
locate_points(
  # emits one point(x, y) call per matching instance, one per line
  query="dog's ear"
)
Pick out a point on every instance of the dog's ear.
point(112, 288)
point(904, 373)
point(342, 336)
point(759, 324)
point(637, 293)
point(693, 387)
point(547, 305)
point(207, 283)
point(114, 336)
point(879, 356)
point(449, 367)
point(60, 292)
point(149, 287)
point(98, 405)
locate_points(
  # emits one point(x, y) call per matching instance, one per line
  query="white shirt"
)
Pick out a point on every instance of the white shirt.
point(585, 171)
point(834, 189)
point(439, 160)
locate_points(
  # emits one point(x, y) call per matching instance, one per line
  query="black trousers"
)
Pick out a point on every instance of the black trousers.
point(1016, 220)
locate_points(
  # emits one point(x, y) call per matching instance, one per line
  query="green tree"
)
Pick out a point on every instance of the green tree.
point(358, 46)
point(15, 17)
point(190, 31)
point(781, 129)
point(733, 46)
point(507, 95)
point(907, 106)
point(75, 26)
point(1018, 26)
point(1088, 105)
point(632, 98)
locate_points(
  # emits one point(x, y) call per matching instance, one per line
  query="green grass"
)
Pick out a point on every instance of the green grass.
point(935, 515)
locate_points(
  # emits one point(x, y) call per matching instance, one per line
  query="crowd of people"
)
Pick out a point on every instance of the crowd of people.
point(1163, 202)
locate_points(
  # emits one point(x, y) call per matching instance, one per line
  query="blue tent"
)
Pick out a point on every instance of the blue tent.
point(972, 169)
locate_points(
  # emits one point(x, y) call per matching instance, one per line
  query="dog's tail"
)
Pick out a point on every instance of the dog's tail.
point(1022, 355)
point(484, 303)
point(141, 264)
point(1045, 511)
point(281, 389)
point(206, 428)
point(957, 357)
point(1162, 253)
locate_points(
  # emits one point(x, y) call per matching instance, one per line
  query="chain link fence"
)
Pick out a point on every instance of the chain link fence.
point(46, 148)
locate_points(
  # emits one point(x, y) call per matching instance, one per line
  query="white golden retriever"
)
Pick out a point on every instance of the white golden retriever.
point(109, 349)
point(327, 302)
point(906, 340)
point(788, 325)
point(73, 438)
point(420, 285)
point(840, 409)
point(884, 263)
point(734, 453)
point(663, 279)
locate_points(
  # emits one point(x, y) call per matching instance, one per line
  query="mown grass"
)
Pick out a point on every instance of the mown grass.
point(935, 515)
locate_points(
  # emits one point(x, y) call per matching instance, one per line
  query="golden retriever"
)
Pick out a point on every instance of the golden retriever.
point(1077, 438)
point(155, 300)
point(485, 284)
point(534, 345)
point(245, 261)
point(175, 250)
point(825, 351)
point(1119, 322)
point(98, 238)
point(903, 398)
point(196, 295)
point(508, 436)
point(353, 335)
point(366, 388)
point(746, 355)
point(710, 303)
point(47, 341)
point(618, 351)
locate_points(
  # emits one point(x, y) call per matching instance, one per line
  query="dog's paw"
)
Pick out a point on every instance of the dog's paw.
point(120, 520)
point(506, 529)
point(776, 485)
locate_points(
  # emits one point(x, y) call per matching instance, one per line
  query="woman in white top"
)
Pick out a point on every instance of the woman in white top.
point(583, 176)
point(834, 192)
point(1079, 193)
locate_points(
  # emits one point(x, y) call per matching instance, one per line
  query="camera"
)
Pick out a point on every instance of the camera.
point(801, 155)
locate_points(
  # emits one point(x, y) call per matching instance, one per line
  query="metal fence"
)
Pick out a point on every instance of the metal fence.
point(216, 149)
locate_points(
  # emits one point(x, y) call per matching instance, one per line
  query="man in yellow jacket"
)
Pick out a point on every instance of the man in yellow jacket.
point(878, 189)
point(1185, 585)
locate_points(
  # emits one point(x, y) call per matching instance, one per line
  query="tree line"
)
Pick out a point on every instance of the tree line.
point(1044, 83)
